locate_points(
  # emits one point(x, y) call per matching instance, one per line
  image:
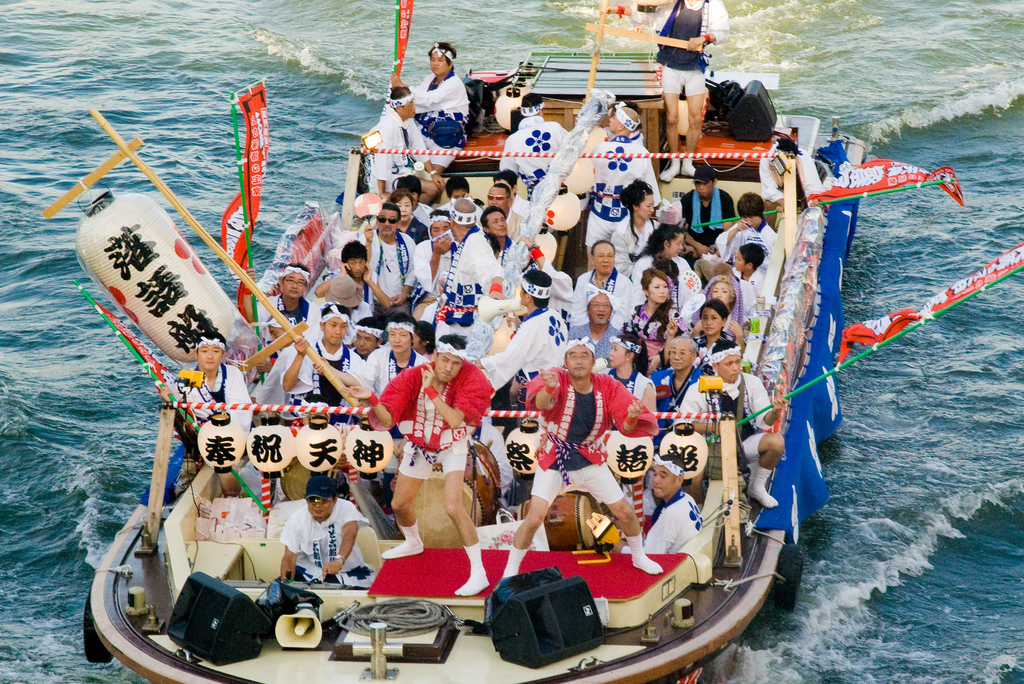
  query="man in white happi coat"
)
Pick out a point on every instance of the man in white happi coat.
point(536, 344)
point(472, 272)
point(677, 518)
point(391, 262)
point(399, 130)
point(428, 277)
point(744, 395)
point(612, 175)
point(291, 302)
point(604, 277)
point(534, 135)
point(387, 361)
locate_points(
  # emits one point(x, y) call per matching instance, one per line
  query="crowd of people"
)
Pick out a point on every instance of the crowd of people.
point(669, 296)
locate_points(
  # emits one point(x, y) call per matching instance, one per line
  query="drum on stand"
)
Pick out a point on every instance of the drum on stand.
point(566, 521)
point(293, 481)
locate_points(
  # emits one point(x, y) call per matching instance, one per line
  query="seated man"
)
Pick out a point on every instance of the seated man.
point(501, 196)
point(676, 518)
point(744, 395)
point(598, 328)
point(605, 276)
point(534, 135)
point(808, 182)
point(291, 302)
point(320, 540)
point(672, 383)
point(428, 281)
point(391, 262)
point(519, 207)
point(435, 406)
point(398, 130)
point(369, 331)
point(706, 203)
point(579, 407)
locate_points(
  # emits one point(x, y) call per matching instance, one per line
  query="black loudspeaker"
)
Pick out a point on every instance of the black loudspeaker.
point(217, 623)
point(752, 117)
point(545, 624)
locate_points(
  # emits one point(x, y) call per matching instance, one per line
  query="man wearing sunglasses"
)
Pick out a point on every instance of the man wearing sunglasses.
point(320, 539)
point(391, 262)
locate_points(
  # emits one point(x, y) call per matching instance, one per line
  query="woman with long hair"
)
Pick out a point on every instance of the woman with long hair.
point(723, 288)
point(629, 363)
point(656, 320)
point(714, 317)
point(630, 238)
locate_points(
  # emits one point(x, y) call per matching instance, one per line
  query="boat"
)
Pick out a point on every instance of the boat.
point(682, 626)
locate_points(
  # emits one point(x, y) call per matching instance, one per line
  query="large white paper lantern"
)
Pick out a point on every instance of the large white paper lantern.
point(271, 447)
point(318, 445)
point(629, 457)
point(511, 98)
point(564, 212)
point(368, 451)
point(581, 179)
point(686, 448)
point(521, 447)
point(221, 442)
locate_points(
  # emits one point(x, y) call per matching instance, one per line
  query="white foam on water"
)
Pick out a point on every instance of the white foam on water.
point(838, 610)
point(979, 100)
point(999, 666)
point(88, 538)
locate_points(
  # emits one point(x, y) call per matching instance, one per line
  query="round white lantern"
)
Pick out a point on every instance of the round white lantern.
point(548, 244)
point(629, 457)
point(318, 444)
point(581, 179)
point(564, 212)
point(597, 136)
point(368, 451)
point(221, 442)
point(271, 446)
point(686, 448)
point(521, 447)
point(511, 98)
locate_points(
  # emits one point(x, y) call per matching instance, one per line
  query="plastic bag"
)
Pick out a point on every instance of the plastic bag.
point(281, 598)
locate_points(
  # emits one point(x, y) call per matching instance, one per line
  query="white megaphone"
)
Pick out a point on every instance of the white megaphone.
point(492, 308)
point(301, 629)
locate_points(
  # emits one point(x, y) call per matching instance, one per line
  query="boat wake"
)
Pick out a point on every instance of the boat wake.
point(996, 98)
point(838, 613)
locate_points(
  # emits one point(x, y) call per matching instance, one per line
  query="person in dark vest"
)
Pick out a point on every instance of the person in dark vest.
point(743, 395)
point(699, 23)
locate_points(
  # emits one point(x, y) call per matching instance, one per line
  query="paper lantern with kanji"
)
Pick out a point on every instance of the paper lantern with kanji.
point(511, 98)
point(369, 451)
point(521, 447)
point(318, 445)
point(629, 457)
point(686, 448)
point(271, 446)
point(130, 246)
point(564, 212)
point(221, 442)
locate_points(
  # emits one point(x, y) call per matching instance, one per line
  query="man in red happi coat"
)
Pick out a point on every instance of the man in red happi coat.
point(578, 408)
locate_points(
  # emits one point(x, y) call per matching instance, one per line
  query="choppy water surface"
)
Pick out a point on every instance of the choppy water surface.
point(914, 570)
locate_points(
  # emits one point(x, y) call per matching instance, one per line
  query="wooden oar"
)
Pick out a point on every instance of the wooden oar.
point(271, 349)
point(224, 256)
point(90, 180)
point(599, 30)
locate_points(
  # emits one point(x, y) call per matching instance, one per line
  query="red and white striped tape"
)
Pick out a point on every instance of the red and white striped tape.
point(348, 410)
point(585, 155)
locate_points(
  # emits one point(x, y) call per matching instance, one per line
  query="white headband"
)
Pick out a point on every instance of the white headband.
point(624, 118)
point(593, 290)
point(720, 356)
point(672, 467)
point(208, 341)
point(408, 327)
point(333, 310)
point(463, 219)
point(376, 332)
point(581, 342)
point(447, 53)
point(626, 344)
point(531, 111)
point(400, 102)
point(536, 291)
point(295, 269)
point(445, 348)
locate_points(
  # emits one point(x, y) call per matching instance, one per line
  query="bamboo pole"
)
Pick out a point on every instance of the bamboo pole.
point(271, 349)
point(730, 492)
point(158, 481)
point(599, 30)
point(322, 366)
point(90, 180)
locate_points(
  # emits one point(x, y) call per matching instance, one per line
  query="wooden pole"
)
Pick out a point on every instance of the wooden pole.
point(158, 481)
point(602, 31)
point(597, 48)
point(323, 367)
point(789, 202)
point(730, 491)
point(271, 349)
point(90, 180)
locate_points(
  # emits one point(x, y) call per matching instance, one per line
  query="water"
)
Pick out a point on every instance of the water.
point(914, 570)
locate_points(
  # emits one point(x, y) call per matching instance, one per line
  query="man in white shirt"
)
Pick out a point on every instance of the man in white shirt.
point(534, 135)
point(808, 182)
point(320, 540)
point(391, 262)
point(398, 130)
point(676, 518)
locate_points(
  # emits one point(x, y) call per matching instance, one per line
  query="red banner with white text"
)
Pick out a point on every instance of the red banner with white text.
point(886, 174)
point(403, 21)
point(253, 106)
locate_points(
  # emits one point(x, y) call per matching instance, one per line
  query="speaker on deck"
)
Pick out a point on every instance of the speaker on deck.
point(546, 623)
point(217, 623)
point(752, 116)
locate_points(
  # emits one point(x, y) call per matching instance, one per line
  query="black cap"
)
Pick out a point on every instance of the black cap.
point(704, 174)
point(323, 486)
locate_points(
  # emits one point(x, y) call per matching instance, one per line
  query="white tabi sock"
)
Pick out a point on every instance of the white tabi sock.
point(515, 557)
point(756, 488)
point(671, 171)
point(640, 559)
point(477, 581)
point(410, 547)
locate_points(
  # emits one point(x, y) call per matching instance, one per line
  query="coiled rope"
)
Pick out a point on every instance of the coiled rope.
point(404, 617)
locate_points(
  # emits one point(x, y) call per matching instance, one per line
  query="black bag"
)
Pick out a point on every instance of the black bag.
point(723, 97)
point(281, 598)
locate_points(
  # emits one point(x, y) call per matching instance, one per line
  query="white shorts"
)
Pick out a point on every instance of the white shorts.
point(452, 459)
point(596, 479)
point(750, 445)
point(675, 82)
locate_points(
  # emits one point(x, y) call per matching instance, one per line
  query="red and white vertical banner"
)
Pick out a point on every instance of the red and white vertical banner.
point(253, 106)
point(403, 22)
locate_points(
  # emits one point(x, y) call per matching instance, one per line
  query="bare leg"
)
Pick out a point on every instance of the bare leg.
point(455, 509)
point(672, 132)
point(405, 491)
point(695, 114)
point(524, 535)
point(630, 527)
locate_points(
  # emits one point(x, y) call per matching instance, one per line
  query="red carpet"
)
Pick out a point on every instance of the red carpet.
point(437, 573)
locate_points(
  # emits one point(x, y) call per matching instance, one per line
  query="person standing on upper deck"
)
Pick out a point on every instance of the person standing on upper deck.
point(442, 105)
point(534, 135)
point(699, 23)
